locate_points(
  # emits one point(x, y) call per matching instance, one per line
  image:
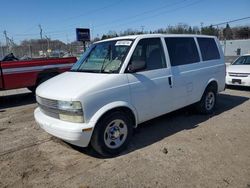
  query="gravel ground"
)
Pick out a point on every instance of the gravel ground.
point(181, 149)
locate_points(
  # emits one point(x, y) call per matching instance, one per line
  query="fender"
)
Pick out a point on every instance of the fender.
point(208, 82)
point(111, 106)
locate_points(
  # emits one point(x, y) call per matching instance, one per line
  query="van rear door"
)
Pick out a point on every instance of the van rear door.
point(184, 58)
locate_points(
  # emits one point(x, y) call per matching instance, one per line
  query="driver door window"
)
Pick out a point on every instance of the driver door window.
point(151, 51)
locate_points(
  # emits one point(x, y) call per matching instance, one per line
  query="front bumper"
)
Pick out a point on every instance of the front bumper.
point(78, 134)
point(245, 81)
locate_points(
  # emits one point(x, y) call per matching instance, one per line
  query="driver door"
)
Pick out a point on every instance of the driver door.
point(151, 88)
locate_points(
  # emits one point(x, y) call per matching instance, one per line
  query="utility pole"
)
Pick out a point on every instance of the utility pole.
point(68, 44)
point(41, 31)
point(41, 36)
point(218, 34)
point(142, 28)
point(6, 37)
point(201, 26)
point(30, 50)
point(7, 40)
point(91, 31)
point(47, 41)
point(2, 51)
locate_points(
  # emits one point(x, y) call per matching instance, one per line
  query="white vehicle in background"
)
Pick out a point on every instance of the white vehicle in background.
point(121, 82)
point(238, 73)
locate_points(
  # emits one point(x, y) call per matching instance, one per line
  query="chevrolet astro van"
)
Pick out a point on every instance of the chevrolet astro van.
point(121, 82)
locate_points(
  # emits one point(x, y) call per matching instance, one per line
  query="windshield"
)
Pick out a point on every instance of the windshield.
point(103, 57)
point(243, 60)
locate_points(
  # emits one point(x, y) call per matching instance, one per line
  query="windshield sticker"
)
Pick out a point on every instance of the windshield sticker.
point(123, 43)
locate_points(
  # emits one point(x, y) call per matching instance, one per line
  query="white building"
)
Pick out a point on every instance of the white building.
point(236, 47)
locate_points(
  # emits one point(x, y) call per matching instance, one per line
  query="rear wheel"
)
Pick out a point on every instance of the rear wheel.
point(208, 101)
point(112, 134)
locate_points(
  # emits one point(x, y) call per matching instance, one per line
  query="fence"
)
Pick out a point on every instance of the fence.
point(43, 50)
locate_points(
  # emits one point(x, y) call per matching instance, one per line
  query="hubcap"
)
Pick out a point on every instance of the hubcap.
point(210, 100)
point(115, 133)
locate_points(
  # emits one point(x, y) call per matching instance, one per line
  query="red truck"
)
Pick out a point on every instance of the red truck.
point(30, 73)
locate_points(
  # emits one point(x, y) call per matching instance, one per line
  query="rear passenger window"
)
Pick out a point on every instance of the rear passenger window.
point(209, 50)
point(182, 50)
point(151, 51)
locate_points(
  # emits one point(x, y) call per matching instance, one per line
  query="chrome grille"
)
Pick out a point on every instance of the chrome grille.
point(49, 112)
point(48, 107)
point(239, 74)
point(47, 102)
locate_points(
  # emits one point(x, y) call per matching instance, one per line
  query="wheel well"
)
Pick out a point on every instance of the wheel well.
point(126, 110)
point(213, 84)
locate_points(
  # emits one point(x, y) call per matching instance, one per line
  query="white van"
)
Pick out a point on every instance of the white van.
point(121, 82)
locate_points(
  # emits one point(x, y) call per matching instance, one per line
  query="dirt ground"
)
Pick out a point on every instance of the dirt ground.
point(181, 149)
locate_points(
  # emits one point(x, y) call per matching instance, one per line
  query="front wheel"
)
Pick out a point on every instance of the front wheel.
point(208, 101)
point(112, 134)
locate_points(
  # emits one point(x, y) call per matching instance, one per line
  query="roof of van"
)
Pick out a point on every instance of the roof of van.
point(154, 35)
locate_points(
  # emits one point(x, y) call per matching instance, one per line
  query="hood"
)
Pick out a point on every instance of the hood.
point(239, 68)
point(69, 85)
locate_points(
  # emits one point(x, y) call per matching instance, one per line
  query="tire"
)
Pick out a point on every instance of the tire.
point(112, 134)
point(208, 101)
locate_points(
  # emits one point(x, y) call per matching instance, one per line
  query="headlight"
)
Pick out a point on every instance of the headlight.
point(70, 111)
point(69, 105)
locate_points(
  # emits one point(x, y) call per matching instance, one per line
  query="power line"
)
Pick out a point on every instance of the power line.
point(142, 13)
point(152, 16)
point(77, 16)
point(94, 10)
point(161, 13)
point(231, 21)
point(59, 32)
point(125, 18)
point(128, 19)
point(88, 13)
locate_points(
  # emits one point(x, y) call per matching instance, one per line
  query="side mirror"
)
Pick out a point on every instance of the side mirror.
point(136, 66)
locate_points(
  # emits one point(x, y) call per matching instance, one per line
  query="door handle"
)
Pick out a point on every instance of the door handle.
point(170, 81)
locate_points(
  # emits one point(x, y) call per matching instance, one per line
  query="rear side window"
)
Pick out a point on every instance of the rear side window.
point(182, 50)
point(209, 49)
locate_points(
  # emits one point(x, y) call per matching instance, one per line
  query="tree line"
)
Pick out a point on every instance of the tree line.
point(33, 47)
point(227, 33)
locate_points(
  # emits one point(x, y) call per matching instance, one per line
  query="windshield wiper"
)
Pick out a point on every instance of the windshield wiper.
point(94, 71)
point(108, 54)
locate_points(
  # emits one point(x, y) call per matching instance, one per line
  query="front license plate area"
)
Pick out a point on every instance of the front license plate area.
point(236, 81)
